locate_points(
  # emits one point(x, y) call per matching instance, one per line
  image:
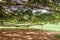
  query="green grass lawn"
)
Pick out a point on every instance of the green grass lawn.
point(53, 27)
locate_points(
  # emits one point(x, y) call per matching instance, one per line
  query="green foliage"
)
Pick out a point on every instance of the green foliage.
point(35, 1)
point(28, 15)
point(57, 35)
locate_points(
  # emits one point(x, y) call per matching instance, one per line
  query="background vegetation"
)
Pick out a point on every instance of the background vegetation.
point(34, 11)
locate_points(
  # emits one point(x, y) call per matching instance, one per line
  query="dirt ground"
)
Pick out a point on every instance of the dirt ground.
point(27, 35)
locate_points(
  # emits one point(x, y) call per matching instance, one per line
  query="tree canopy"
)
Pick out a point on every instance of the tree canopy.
point(30, 10)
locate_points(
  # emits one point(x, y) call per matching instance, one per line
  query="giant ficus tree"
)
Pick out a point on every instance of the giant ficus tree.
point(23, 10)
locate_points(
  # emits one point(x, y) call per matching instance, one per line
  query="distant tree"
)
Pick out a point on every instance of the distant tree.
point(24, 10)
